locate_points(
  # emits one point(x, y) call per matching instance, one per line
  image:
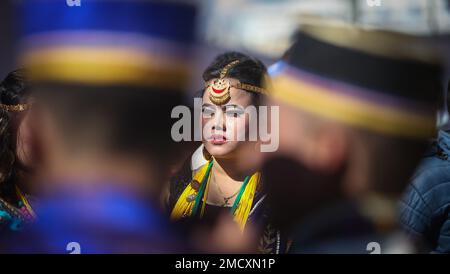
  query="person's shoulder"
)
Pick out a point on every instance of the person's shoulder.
point(429, 190)
point(179, 181)
point(431, 173)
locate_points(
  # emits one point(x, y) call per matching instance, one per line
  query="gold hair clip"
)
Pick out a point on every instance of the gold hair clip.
point(219, 89)
point(15, 108)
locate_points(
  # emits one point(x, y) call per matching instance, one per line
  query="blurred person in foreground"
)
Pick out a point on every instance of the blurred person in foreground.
point(16, 160)
point(425, 208)
point(218, 188)
point(104, 92)
point(356, 107)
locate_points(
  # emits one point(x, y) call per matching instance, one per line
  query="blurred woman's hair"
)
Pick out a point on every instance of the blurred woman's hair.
point(249, 70)
point(13, 91)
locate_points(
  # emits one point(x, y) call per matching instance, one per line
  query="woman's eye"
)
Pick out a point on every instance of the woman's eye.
point(208, 112)
point(235, 113)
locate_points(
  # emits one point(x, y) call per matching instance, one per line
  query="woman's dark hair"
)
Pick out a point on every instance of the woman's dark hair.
point(249, 70)
point(13, 91)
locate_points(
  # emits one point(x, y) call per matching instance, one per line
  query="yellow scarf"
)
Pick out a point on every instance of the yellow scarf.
point(189, 201)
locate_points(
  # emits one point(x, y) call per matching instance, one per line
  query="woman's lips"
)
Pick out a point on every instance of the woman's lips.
point(217, 139)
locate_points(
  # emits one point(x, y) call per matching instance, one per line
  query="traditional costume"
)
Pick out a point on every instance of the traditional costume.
point(13, 215)
point(15, 211)
point(189, 192)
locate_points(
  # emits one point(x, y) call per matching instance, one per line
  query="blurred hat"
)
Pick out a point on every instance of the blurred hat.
point(109, 42)
point(381, 81)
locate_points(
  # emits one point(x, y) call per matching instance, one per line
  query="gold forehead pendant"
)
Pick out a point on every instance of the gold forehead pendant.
point(219, 89)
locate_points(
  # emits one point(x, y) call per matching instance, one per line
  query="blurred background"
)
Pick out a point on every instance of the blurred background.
point(264, 28)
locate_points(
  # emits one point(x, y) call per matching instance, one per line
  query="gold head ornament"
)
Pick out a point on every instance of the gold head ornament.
point(219, 89)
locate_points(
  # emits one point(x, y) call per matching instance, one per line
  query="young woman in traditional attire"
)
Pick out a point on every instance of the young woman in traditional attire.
point(233, 83)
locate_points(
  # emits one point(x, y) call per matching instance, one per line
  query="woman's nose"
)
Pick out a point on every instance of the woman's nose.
point(219, 121)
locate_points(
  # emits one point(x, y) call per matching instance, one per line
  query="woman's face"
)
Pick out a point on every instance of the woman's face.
point(225, 127)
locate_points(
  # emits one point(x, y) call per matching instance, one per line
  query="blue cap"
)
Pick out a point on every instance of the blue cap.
point(109, 42)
